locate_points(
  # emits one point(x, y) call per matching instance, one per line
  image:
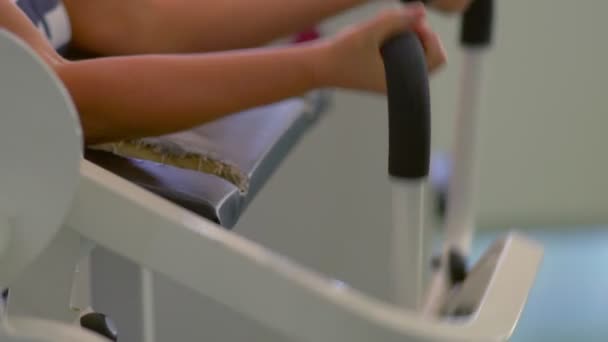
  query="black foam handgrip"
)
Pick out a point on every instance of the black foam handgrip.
point(408, 106)
point(478, 24)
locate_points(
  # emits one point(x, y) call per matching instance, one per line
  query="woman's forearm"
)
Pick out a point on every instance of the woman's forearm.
point(157, 26)
point(128, 97)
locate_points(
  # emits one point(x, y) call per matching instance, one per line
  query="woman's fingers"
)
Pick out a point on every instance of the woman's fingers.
point(410, 17)
point(393, 21)
point(433, 47)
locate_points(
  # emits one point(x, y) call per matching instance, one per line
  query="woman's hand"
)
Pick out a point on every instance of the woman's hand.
point(352, 59)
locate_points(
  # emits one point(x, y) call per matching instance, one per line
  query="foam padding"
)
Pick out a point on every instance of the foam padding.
point(215, 169)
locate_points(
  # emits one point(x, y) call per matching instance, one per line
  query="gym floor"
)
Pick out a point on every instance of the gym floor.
point(570, 299)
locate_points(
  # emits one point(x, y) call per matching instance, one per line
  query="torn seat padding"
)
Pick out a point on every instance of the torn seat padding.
point(215, 169)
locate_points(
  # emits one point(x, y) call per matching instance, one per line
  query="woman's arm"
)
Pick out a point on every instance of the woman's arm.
point(128, 97)
point(125, 97)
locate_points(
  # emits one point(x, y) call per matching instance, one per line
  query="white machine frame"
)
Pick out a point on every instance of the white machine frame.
point(96, 207)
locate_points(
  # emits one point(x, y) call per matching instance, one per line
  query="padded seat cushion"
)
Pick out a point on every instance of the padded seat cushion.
point(216, 169)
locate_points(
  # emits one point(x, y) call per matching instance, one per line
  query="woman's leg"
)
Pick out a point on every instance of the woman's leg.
point(156, 26)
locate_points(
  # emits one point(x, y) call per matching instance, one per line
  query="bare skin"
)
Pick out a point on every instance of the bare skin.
point(124, 97)
point(112, 27)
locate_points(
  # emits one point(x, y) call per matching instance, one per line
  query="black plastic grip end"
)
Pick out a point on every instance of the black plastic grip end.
point(408, 106)
point(478, 24)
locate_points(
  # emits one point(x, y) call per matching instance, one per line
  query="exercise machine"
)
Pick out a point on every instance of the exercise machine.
point(55, 205)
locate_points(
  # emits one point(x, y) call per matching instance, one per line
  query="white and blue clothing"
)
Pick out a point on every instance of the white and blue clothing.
point(51, 18)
